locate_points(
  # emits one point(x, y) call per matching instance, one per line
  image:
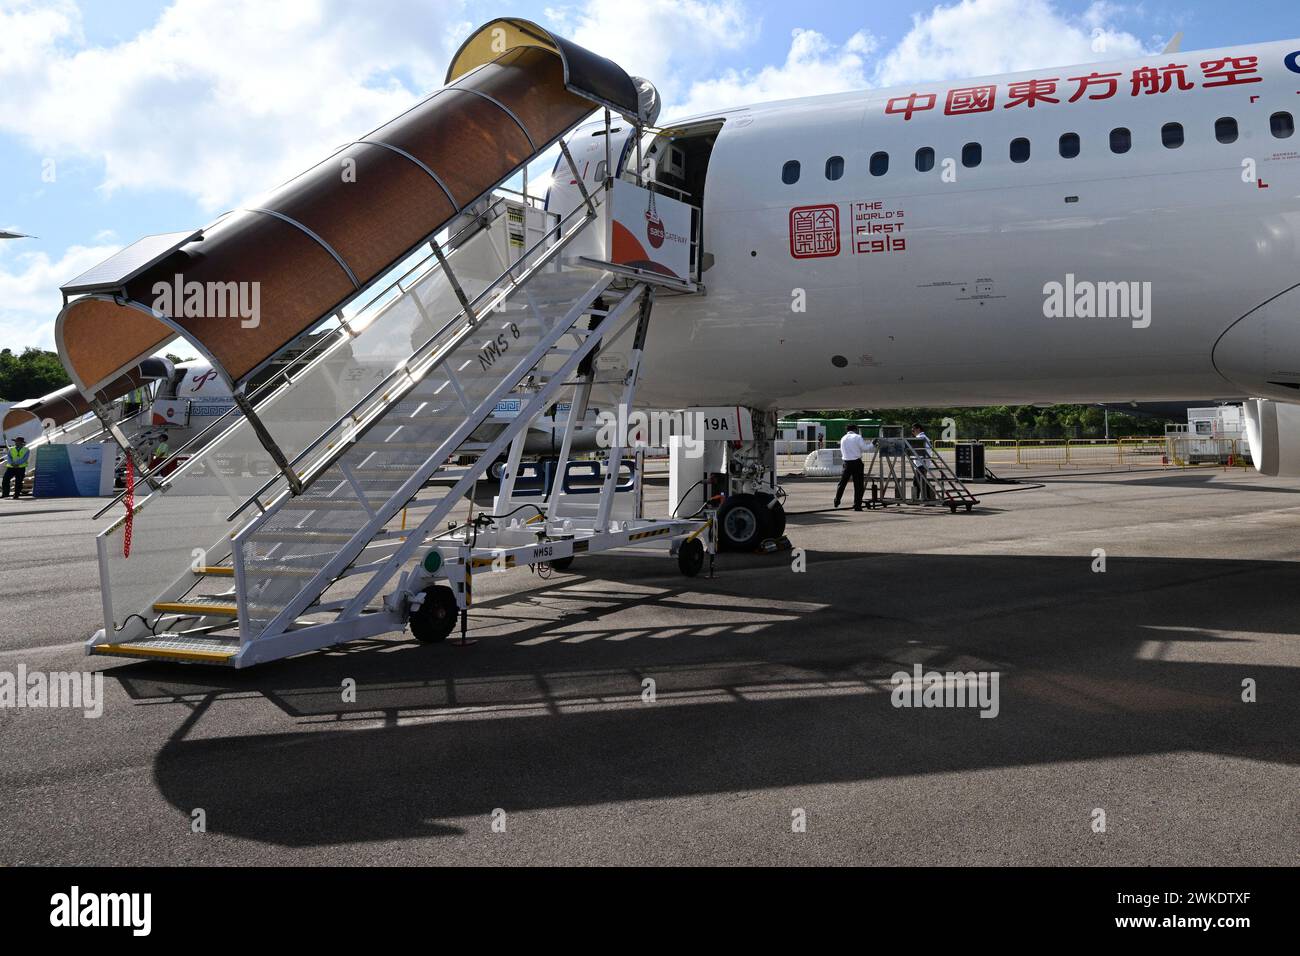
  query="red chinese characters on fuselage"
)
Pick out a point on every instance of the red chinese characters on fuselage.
point(1144, 81)
point(815, 231)
point(971, 99)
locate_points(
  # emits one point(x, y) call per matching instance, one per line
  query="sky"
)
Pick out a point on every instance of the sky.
point(123, 118)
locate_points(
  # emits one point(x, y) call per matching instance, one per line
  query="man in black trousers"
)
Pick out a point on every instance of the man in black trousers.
point(17, 456)
point(852, 448)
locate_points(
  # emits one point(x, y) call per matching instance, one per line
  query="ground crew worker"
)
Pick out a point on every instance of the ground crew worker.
point(921, 452)
point(852, 448)
point(19, 454)
point(161, 450)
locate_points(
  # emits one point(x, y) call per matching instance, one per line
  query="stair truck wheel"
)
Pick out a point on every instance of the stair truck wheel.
point(742, 523)
point(561, 564)
point(436, 617)
point(690, 557)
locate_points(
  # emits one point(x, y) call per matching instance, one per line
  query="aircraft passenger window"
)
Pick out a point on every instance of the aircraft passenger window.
point(1283, 125)
point(1121, 140)
point(1020, 150)
point(1225, 130)
point(1171, 134)
point(879, 164)
point(924, 159)
point(790, 172)
point(971, 155)
point(1069, 145)
point(835, 167)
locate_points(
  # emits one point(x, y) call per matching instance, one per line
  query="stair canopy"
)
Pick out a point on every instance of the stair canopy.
point(249, 284)
point(67, 404)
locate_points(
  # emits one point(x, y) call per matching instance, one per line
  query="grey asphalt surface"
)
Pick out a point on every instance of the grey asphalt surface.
point(1119, 691)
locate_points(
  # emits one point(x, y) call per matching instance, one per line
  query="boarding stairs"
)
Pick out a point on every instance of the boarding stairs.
point(304, 560)
point(302, 544)
point(90, 428)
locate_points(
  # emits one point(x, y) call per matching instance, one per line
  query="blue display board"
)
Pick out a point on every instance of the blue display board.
point(73, 471)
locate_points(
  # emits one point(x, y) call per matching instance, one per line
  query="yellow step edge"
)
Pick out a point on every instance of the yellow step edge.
point(208, 610)
point(135, 650)
point(216, 571)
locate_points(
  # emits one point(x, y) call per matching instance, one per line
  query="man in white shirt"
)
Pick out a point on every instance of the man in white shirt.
point(852, 447)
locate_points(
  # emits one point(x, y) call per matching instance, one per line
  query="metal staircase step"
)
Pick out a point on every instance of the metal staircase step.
point(303, 537)
point(310, 537)
point(348, 504)
point(380, 471)
point(200, 649)
point(204, 606)
point(375, 444)
point(272, 570)
point(215, 571)
point(328, 504)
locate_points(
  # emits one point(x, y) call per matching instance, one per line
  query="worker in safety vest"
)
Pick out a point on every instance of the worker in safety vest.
point(161, 450)
point(16, 468)
point(134, 402)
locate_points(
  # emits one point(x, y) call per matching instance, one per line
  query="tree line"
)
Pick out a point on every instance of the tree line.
point(32, 374)
point(1024, 422)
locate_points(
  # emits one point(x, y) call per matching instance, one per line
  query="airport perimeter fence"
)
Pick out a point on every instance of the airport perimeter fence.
point(1019, 456)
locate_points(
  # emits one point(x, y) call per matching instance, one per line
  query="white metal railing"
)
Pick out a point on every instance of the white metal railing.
point(187, 518)
point(354, 424)
point(328, 339)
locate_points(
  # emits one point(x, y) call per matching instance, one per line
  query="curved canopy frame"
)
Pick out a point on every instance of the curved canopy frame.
point(67, 404)
point(245, 287)
point(586, 74)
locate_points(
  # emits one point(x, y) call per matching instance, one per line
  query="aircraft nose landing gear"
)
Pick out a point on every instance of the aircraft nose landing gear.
point(732, 451)
point(741, 523)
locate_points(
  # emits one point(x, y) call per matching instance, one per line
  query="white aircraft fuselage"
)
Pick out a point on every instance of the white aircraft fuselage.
point(938, 285)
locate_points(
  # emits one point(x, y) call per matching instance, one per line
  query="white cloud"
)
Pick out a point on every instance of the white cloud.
point(668, 41)
point(219, 99)
point(29, 290)
point(980, 37)
point(968, 38)
point(814, 65)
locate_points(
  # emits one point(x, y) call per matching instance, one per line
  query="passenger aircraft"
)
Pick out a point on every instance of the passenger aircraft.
point(1113, 232)
point(937, 219)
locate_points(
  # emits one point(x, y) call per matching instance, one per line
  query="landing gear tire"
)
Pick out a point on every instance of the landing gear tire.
point(690, 557)
point(561, 564)
point(743, 523)
point(433, 620)
point(775, 516)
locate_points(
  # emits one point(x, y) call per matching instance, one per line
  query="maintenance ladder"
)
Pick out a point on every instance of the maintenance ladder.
point(907, 471)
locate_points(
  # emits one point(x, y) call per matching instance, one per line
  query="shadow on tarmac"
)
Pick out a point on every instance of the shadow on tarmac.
point(751, 693)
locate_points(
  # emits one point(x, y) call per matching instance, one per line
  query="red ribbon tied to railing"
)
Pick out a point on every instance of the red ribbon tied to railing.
point(130, 508)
